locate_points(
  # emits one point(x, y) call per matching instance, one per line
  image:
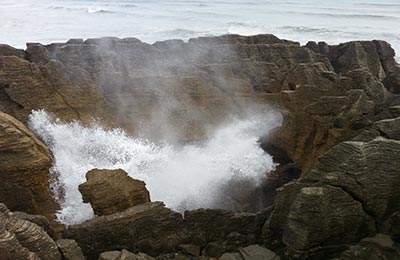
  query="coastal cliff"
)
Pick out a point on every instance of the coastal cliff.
point(339, 138)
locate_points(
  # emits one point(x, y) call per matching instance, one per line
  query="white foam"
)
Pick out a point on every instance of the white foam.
point(183, 176)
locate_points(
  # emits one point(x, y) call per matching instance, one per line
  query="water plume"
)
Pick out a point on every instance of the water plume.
point(184, 176)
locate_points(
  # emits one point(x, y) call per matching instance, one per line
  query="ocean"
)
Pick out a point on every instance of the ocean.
point(336, 21)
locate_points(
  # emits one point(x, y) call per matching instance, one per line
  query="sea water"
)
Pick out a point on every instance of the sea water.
point(183, 176)
point(333, 21)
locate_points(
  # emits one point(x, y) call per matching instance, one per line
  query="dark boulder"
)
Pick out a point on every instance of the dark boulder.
point(373, 248)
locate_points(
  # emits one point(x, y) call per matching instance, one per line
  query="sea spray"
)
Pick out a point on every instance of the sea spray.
point(183, 176)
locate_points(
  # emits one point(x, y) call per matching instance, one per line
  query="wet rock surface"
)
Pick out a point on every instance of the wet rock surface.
point(70, 250)
point(21, 239)
point(24, 169)
point(112, 191)
point(339, 138)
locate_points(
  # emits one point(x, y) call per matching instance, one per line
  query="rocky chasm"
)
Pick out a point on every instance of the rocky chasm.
point(298, 147)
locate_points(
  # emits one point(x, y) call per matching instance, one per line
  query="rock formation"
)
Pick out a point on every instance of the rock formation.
point(70, 250)
point(124, 255)
point(153, 229)
point(148, 227)
point(339, 137)
point(348, 195)
point(112, 191)
point(21, 239)
point(377, 247)
point(24, 169)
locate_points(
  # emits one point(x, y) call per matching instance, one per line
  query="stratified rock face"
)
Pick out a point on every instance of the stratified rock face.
point(21, 239)
point(24, 169)
point(112, 191)
point(253, 252)
point(39, 220)
point(369, 171)
point(313, 216)
point(347, 196)
point(150, 228)
point(70, 249)
point(153, 229)
point(392, 81)
point(373, 248)
point(124, 255)
point(68, 92)
point(7, 50)
point(326, 93)
point(340, 131)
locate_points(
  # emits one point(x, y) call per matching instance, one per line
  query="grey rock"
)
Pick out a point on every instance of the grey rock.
point(123, 255)
point(213, 249)
point(256, 252)
point(37, 53)
point(367, 170)
point(7, 50)
point(373, 248)
point(189, 249)
point(231, 256)
point(392, 80)
point(70, 249)
point(389, 128)
point(110, 255)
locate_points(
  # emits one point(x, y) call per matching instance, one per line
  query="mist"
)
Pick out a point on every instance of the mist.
point(185, 176)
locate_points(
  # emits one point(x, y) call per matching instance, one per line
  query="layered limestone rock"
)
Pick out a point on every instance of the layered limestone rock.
point(124, 255)
point(154, 229)
point(191, 87)
point(150, 228)
point(340, 132)
point(392, 80)
point(24, 169)
point(366, 170)
point(70, 250)
point(21, 239)
point(253, 252)
point(66, 91)
point(112, 191)
point(347, 196)
point(373, 248)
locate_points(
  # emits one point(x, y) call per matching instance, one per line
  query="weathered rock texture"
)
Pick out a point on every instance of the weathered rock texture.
point(124, 255)
point(326, 92)
point(153, 229)
point(112, 191)
point(178, 90)
point(24, 169)
point(70, 250)
point(339, 134)
point(351, 193)
point(21, 239)
point(374, 248)
point(150, 226)
point(253, 252)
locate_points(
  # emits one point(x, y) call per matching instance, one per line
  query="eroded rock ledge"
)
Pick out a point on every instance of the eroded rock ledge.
point(340, 133)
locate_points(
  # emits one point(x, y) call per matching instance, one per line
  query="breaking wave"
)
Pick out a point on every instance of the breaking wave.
point(183, 176)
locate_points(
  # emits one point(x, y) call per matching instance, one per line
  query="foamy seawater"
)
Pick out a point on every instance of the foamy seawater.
point(333, 21)
point(182, 176)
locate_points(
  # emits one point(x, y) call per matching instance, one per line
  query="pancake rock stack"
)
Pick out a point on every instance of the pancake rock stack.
point(339, 139)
